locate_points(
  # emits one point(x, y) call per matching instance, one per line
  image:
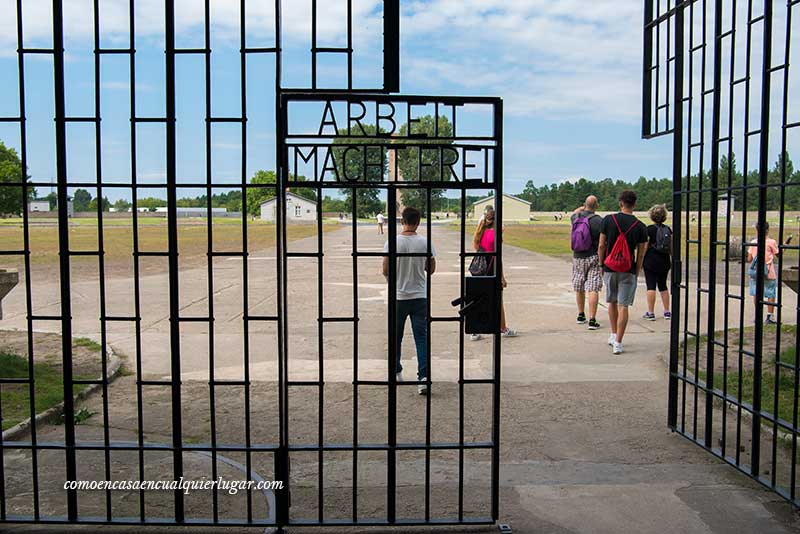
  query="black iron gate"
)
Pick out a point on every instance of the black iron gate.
point(171, 437)
point(717, 78)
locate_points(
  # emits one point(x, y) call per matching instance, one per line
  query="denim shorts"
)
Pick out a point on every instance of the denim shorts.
point(620, 288)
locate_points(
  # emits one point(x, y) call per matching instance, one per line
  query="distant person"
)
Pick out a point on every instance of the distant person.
point(771, 279)
point(380, 223)
point(621, 251)
point(412, 292)
point(587, 275)
point(484, 241)
point(657, 262)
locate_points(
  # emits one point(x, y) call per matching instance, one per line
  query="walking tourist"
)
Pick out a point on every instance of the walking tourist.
point(412, 292)
point(484, 241)
point(771, 279)
point(587, 276)
point(380, 223)
point(621, 250)
point(657, 261)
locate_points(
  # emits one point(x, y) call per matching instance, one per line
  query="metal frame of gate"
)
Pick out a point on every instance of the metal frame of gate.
point(716, 78)
point(177, 447)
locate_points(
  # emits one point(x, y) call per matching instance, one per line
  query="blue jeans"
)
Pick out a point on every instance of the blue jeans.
point(417, 309)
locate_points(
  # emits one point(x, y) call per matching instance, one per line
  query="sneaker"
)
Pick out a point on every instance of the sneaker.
point(593, 324)
point(422, 389)
point(612, 339)
point(770, 320)
point(581, 318)
point(509, 332)
point(399, 376)
point(667, 315)
point(617, 347)
point(475, 337)
point(649, 316)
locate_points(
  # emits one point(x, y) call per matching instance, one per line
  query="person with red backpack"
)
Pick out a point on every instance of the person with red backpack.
point(587, 276)
point(621, 251)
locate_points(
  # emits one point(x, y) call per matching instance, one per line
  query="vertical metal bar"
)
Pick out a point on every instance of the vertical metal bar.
point(172, 240)
point(313, 44)
point(498, 247)
point(282, 498)
point(391, 480)
point(137, 301)
point(428, 325)
point(677, 197)
point(101, 249)
point(350, 52)
point(763, 177)
point(713, 223)
point(64, 255)
point(461, 323)
point(730, 178)
point(354, 244)
point(647, 70)
point(320, 363)
point(27, 262)
point(212, 390)
point(245, 260)
point(391, 46)
point(796, 363)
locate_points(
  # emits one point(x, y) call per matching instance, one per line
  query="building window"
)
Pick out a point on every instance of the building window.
point(298, 211)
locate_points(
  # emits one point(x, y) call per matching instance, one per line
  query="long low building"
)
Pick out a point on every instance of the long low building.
point(297, 208)
point(195, 212)
point(514, 208)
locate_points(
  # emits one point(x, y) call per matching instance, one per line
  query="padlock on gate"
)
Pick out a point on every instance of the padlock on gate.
point(480, 305)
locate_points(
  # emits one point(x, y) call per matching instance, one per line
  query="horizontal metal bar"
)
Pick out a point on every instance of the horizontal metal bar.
point(82, 119)
point(259, 50)
point(120, 318)
point(231, 254)
point(229, 383)
point(45, 317)
point(192, 50)
point(196, 319)
point(155, 254)
point(455, 319)
point(133, 446)
point(10, 119)
point(14, 380)
point(155, 382)
point(36, 50)
point(331, 50)
point(338, 319)
point(149, 119)
point(344, 95)
point(387, 447)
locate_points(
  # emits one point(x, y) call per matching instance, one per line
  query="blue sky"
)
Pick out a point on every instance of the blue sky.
point(569, 73)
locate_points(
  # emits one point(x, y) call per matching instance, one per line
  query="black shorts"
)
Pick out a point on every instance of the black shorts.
point(654, 279)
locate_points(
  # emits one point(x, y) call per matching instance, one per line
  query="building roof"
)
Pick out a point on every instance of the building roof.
point(505, 195)
point(290, 194)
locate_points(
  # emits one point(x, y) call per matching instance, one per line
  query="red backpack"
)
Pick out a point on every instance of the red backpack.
point(619, 259)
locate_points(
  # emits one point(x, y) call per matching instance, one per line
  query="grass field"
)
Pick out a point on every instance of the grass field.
point(118, 235)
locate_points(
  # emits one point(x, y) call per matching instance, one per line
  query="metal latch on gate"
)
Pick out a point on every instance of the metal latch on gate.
point(479, 305)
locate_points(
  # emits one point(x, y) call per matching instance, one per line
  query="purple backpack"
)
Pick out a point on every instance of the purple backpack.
point(581, 234)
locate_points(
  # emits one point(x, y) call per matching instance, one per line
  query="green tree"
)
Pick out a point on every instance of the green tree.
point(150, 203)
point(350, 166)
point(122, 205)
point(81, 200)
point(11, 200)
point(93, 204)
point(408, 161)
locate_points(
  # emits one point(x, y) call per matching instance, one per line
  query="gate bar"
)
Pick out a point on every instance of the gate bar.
point(63, 252)
point(172, 240)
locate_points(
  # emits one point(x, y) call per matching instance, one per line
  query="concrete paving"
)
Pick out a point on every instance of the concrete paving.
point(585, 444)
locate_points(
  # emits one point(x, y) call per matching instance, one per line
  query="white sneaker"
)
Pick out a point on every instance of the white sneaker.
point(617, 348)
point(475, 337)
point(422, 389)
point(509, 332)
point(399, 376)
point(612, 339)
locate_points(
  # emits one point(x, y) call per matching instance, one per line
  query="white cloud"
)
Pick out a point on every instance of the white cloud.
point(566, 59)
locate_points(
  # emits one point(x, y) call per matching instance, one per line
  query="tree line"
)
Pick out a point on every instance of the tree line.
point(567, 195)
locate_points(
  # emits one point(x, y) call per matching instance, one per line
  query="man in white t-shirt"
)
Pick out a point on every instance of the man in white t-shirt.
point(380, 223)
point(412, 291)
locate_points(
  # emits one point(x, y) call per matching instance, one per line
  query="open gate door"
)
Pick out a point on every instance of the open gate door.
point(717, 77)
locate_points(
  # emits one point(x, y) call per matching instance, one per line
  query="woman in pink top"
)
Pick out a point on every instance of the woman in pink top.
point(483, 241)
point(771, 280)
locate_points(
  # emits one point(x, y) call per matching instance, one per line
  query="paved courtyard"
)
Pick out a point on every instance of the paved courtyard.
point(585, 446)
